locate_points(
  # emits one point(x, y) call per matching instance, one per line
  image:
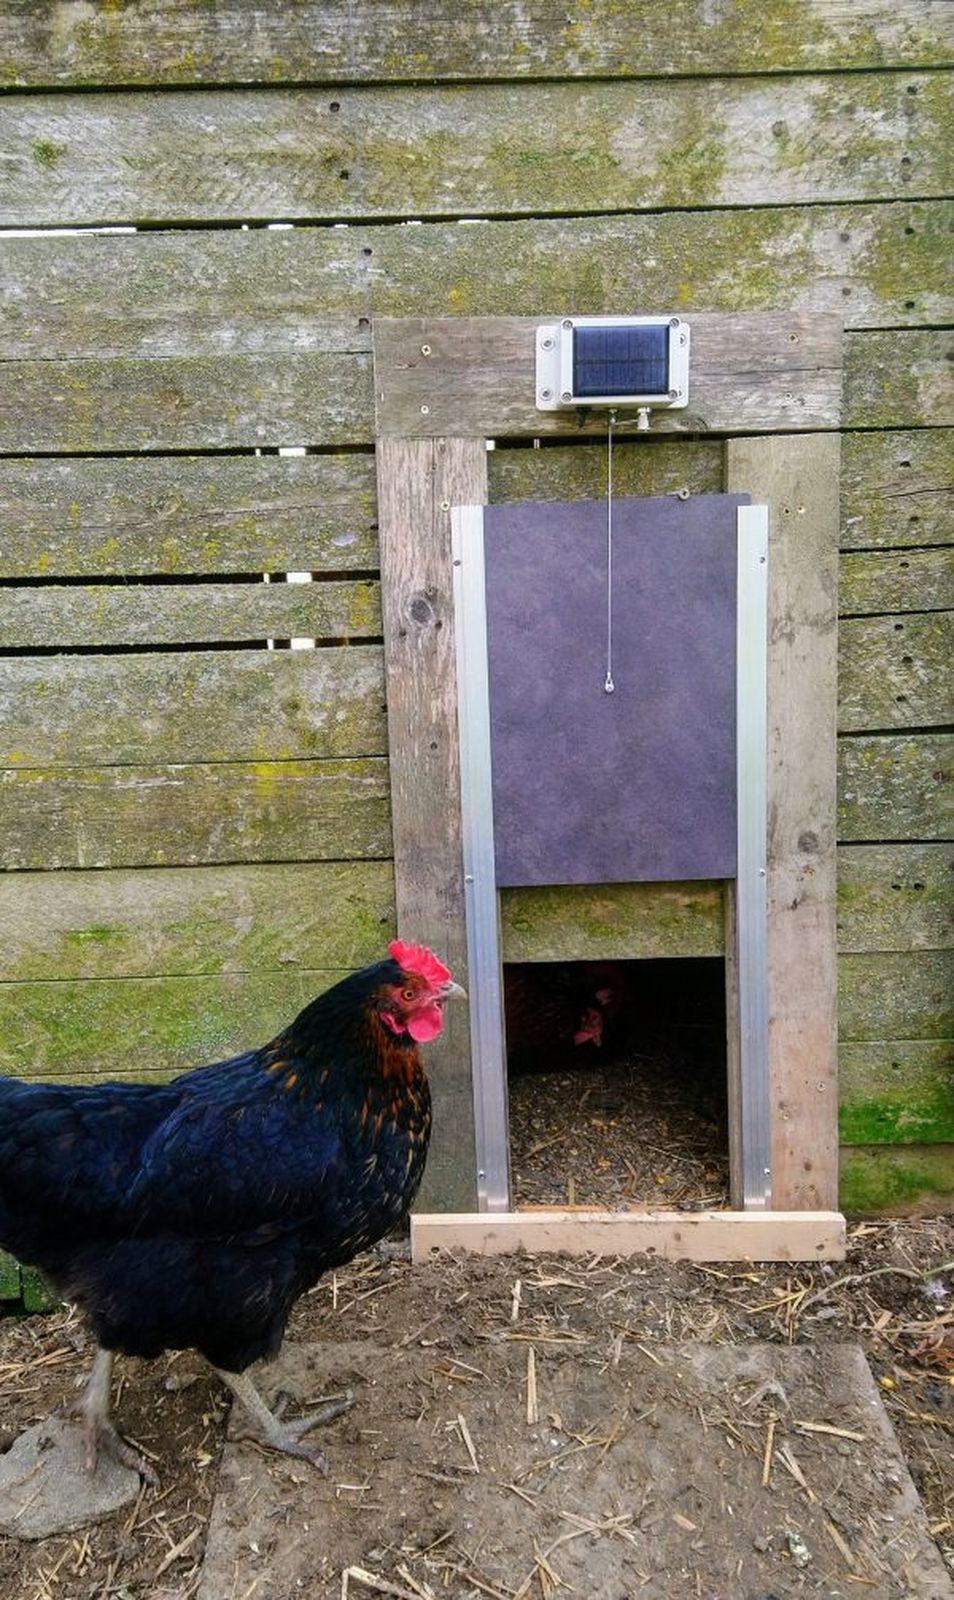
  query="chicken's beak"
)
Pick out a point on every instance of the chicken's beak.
point(452, 991)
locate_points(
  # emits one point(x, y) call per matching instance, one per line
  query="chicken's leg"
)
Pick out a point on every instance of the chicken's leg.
point(272, 1430)
point(99, 1430)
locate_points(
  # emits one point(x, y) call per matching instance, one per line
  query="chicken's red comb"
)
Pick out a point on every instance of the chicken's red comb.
point(415, 958)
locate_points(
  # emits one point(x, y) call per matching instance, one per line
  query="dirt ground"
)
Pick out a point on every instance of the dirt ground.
point(439, 1359)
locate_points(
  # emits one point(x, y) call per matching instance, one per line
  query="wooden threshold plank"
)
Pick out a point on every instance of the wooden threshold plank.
point(670, 1235)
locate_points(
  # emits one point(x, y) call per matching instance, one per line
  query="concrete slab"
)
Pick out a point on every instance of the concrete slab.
point(713, 1471)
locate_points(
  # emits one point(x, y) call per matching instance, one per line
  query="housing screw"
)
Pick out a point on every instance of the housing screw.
point(673, 322)
point(674, 394)
point(546, 394)
point(683, 339)
point(566, 395)
point(567, 322)
point(546, 344)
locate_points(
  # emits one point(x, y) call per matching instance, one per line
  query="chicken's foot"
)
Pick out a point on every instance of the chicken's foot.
point(272, 1430)
point(99, 1431)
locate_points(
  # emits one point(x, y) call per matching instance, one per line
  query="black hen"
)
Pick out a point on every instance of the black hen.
point(192, 1214)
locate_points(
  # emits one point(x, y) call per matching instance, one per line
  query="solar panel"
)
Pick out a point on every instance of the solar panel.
point(620, 361)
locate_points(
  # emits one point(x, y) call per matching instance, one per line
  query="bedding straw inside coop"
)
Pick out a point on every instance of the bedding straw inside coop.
point(638, 1121)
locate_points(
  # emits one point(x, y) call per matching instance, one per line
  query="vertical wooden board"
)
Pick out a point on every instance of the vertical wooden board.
point(798, 478)
point(418, 482)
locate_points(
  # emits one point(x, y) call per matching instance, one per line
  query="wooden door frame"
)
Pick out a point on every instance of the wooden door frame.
point(771, 386)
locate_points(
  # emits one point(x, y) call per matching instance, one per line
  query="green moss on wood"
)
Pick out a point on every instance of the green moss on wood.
point(47, 152)
point(9, 1277)
point(916, 1178)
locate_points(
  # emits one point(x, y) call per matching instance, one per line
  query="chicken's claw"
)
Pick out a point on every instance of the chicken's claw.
point(273, 1431)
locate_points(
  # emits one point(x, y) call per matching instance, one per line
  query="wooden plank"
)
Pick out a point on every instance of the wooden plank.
point(875, 581)
point(894, 672)
point(611, 922)
point(896, 1091)
point(900, 1180)
point(895, 897)
point(462, 151)
point(139, 1028)
point(325, 400)
point(874, 264)
point(894, 786)
point(272, 402)
point(570, 470)
point(166, 294)
point(895, 379)
point(474, 376)
point(187, 514)
point(418, 482)
point(667, 1235)
point(798, 479)
point(308, 42)
point(896, 995)
point(106, 615)
point(186, 921)
point(216, 292)
point(897, 489)
point(190, 815)
point(212, 705)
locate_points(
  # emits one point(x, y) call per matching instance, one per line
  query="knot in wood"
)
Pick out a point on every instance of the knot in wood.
point(421, 611)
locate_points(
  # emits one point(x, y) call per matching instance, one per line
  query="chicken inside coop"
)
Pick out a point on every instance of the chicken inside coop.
point(617, 1083)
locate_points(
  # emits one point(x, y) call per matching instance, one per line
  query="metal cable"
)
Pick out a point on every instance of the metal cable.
point(608, 684)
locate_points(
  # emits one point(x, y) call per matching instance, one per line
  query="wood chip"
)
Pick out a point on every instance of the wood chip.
point(370, 1581)
point(533, 1411)
point(767, 1458)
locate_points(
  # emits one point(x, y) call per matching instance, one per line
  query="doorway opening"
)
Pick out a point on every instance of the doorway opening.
point(617, 1084)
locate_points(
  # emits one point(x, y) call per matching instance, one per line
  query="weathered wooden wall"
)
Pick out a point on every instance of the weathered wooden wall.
point(197, 828)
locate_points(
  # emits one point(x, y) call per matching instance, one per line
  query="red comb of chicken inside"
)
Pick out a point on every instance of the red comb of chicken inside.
point(415, 958)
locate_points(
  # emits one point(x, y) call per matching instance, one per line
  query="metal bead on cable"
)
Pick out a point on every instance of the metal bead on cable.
point(609, 686)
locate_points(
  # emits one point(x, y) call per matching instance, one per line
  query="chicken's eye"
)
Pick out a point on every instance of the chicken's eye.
point(407, 994)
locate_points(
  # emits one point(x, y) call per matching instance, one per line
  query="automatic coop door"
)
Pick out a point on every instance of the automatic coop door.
point(663, 779)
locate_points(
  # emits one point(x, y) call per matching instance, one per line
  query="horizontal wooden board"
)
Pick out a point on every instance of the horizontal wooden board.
point(902, 1179)
point(187, 921)
point(895, 786)
point(897, 488)
point(308, 42)
point(106, 615)
point(141, 1027)
point(355, 153)
point(187, 403)
point(91, 517)
point(577, 471)
point(871, 264)
point(894, 672)
point(668, 1235)
point(205, 705)
point(310, 290)
point(191, 815)
point(896, 1092)
point(873, 581)
point(895, 897)
point(898, 379)
point(612, 921)
point(896, 995)
point(473, 376)
point(163, 295)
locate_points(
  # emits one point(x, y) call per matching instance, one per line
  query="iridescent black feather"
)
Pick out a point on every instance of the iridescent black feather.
point(193, 1214)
